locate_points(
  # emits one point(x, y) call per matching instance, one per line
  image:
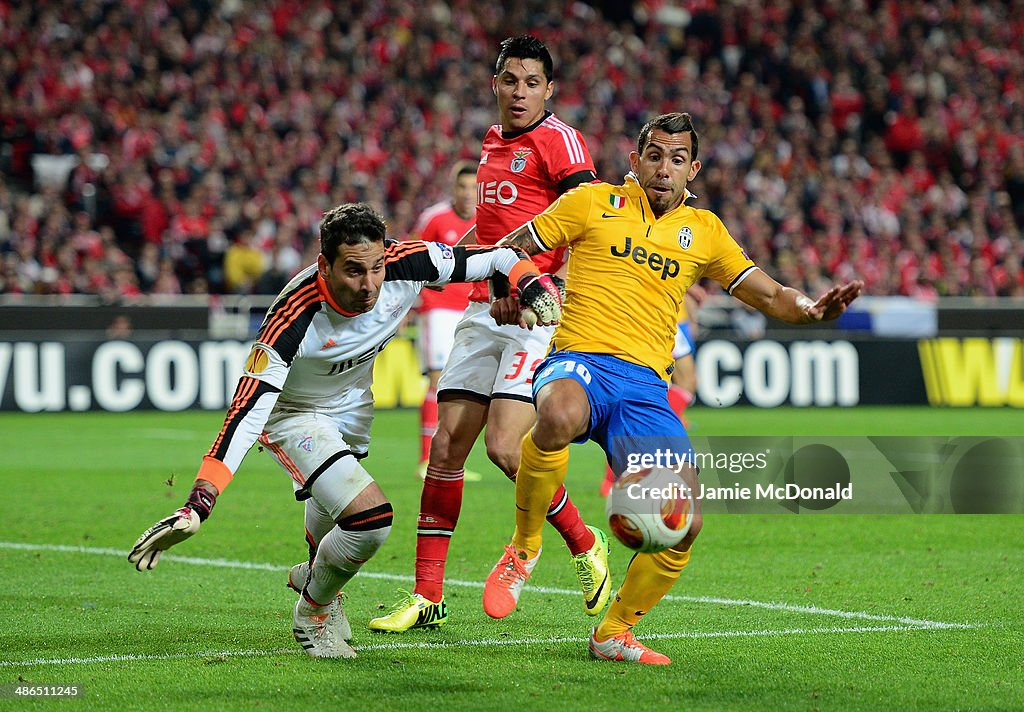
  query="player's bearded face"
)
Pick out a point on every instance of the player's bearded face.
point(355, 276)
point(664, 168)
point(521, 88)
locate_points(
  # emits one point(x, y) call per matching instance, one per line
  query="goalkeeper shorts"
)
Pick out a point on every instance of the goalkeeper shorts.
point(629, 412)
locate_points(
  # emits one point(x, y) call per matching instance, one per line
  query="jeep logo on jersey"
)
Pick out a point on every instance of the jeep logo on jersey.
point(519, 160)
point(668, 267)
point(685, 238)
point(504, 192)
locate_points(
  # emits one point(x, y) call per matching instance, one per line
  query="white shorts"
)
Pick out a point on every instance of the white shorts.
point(437, 335)
point(312, 450)
point(684, 341)
point(491, 361)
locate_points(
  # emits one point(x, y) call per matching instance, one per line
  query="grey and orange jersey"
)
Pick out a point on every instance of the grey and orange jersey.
point(312, 356)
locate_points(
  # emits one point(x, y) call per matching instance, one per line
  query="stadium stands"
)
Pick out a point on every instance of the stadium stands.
point(143, 142)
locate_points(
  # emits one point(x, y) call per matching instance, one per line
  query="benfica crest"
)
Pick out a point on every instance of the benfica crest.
point(685, 238)
point(519, 160)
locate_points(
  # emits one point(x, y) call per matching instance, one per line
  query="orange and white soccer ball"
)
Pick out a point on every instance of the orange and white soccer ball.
point(650, 510)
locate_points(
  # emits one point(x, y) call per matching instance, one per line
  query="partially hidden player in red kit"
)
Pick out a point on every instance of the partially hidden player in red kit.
point(440, 310)
point(526, 162)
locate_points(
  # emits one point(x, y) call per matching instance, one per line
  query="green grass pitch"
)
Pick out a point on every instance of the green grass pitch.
point(785, 611)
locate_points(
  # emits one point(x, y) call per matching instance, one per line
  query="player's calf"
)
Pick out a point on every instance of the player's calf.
point(342, 552)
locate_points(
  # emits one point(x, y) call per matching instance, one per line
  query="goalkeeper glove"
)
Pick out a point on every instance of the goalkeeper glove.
point(541, 294)
point(560, 283)
point(178, 527)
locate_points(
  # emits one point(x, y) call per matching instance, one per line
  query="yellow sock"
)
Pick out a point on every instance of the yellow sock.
point(648, 578)
point(539, 477)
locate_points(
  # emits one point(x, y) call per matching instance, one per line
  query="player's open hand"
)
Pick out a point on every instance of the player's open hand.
point(834, 302)
point(162, 536)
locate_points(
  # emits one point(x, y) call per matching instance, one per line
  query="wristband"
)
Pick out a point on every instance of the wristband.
point(201, 502)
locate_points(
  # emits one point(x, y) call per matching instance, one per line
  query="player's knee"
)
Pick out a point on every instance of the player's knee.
point(687, 380)
point(557, 427)
point(503, 452)
point(362, 535)
point(447, 449)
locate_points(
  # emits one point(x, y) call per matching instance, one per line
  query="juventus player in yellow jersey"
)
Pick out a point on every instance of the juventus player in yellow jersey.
point(634, 251)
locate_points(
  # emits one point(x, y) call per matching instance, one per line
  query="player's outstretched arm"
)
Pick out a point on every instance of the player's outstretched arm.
point(178, 527)
point(791, 305)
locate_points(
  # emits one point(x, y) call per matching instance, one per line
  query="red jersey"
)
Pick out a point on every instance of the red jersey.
point(440, 223)
point(518, 179)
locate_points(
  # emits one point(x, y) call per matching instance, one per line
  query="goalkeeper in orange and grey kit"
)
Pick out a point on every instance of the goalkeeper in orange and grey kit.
point(635, 250)
point(306, 397)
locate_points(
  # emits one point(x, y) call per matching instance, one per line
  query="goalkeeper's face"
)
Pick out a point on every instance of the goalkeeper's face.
point(664, 168)
point(355, 276)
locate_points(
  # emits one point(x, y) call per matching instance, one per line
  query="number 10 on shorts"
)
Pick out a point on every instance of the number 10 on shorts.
point(569, 367)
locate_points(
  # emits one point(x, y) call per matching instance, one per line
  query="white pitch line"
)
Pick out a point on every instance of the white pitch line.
point(256, 566)
point(438, 645)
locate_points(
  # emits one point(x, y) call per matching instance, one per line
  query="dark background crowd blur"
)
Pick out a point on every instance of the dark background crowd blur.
point(165, 147)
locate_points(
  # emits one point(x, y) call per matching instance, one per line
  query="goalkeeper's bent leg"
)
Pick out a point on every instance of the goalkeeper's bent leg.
point(540, 476)
point(319, 523)
point(343, 551)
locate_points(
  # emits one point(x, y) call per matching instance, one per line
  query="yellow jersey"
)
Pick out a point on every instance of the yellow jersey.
point(629, 271)
point(683, 315)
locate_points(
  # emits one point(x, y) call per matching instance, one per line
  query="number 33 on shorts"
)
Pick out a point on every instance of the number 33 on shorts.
point(517, 367)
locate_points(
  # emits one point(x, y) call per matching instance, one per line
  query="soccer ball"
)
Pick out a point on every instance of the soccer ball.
point(650, 510)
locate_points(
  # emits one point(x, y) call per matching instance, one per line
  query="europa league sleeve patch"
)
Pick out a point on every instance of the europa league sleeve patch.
point(257, 361)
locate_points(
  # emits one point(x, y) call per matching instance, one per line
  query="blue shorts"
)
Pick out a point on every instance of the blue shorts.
point(629, 412)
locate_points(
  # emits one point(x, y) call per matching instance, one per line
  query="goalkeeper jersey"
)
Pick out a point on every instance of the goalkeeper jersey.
point(310, 355)
point(629, 271)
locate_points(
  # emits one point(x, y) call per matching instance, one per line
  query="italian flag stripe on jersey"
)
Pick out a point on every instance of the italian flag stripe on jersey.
point(617, 201)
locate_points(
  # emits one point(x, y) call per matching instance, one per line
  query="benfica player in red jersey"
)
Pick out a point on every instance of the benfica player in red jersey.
point(526, 162)
point(441, 310)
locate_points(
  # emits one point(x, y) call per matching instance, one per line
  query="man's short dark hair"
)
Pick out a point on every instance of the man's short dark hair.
point(676, 122)
point(525, 47)
point(349, 224)
point(463, 168)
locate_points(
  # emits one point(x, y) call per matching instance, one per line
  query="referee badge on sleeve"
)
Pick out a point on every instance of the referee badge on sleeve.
point(685, 238)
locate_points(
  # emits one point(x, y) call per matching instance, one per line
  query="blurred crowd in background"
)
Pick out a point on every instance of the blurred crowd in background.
point(166, 147)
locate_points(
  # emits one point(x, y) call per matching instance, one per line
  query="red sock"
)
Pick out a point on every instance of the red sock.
point(440, 504)
point(679, 399)
point(564, 517)
point(608, 482)
point(428, 423)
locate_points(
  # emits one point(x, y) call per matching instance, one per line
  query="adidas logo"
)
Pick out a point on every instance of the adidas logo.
point(328, 345)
